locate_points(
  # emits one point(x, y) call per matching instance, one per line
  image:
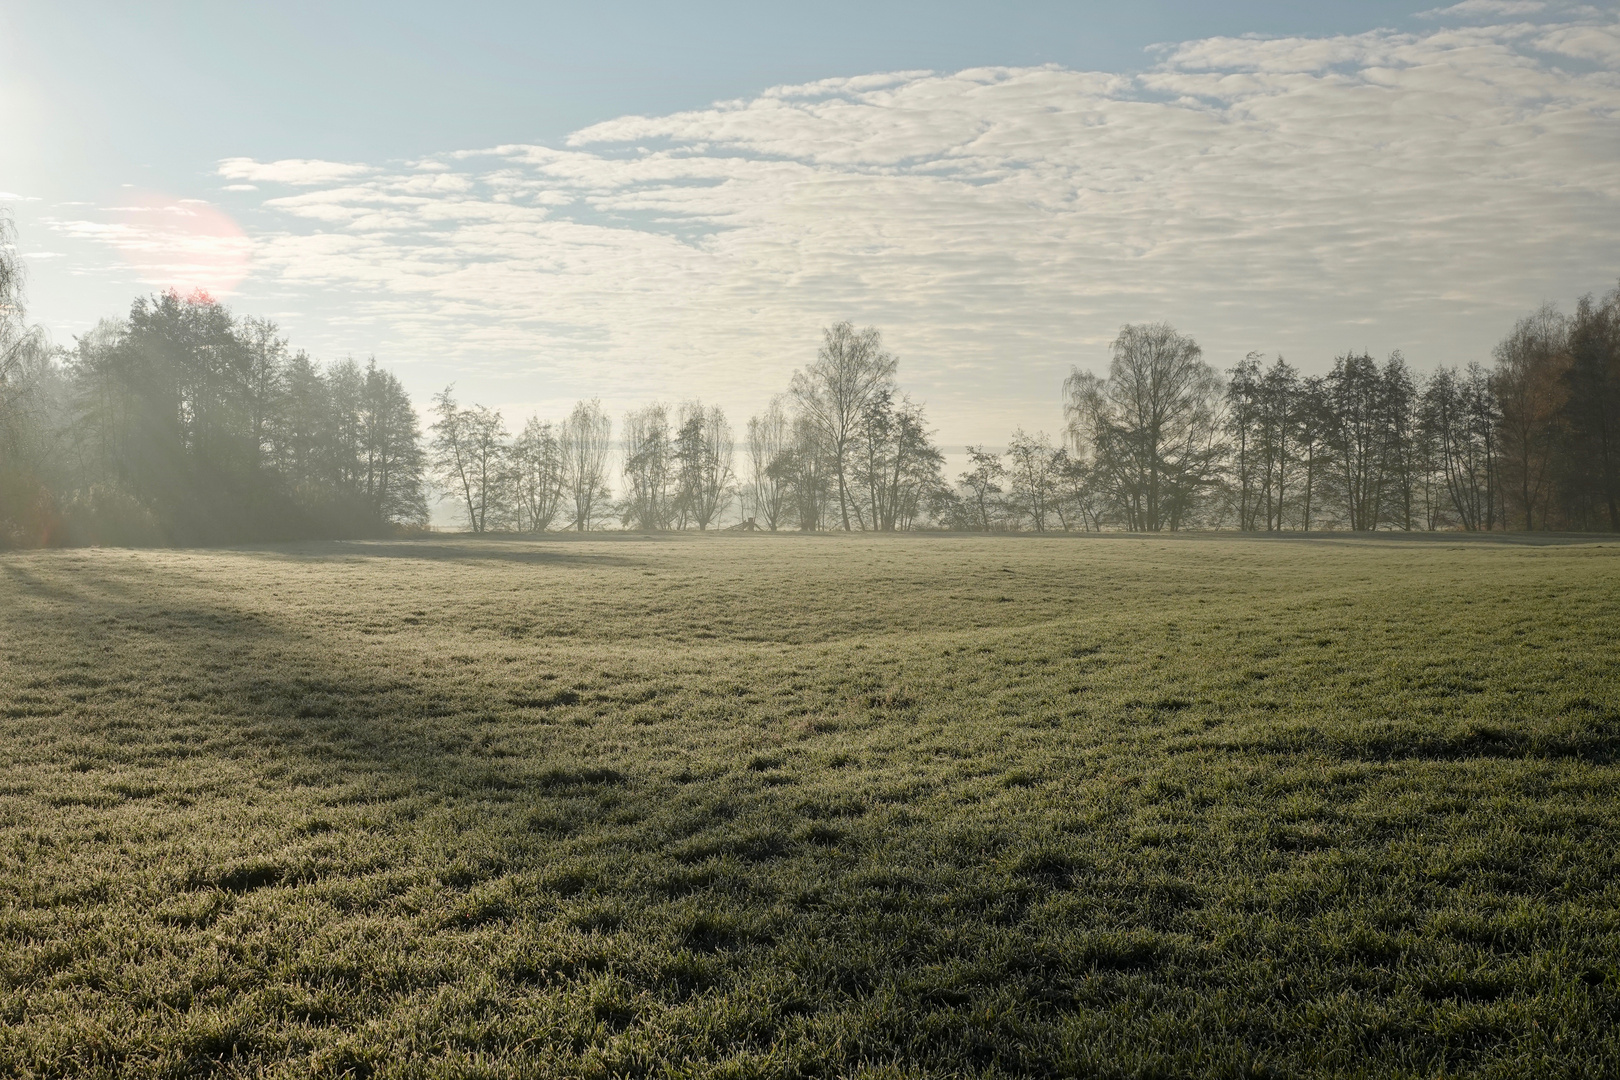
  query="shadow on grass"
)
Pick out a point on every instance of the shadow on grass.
point(1422, 539)
point(234, 682)
point(531, 551)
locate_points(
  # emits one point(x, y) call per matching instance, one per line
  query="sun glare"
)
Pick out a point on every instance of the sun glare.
point(184, 244)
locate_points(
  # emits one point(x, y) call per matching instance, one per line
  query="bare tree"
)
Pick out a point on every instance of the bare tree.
point(1403, 467)
point(1358, 436)
point(1310, 439)
point(1279, 390)
point(719, 477)
point(1152, 425)
point(469, 457)
point(984, 469)
point(1244, 395)
point(586, 439)
point(1084, 412)
point(1262, 419)
point(537, 476)
point(894, 463)
point(850, 369)
point(1033, 470)
point(1089, 479)
point(805, 471)
point(649, 470)
point(1079, 499)
point(704, 450)
point(1458, 413)
point(765, 495)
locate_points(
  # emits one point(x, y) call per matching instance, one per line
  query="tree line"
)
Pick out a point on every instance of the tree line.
point(843, 448)
point(1530, 442)
point(183, 423)
point(1163, 442)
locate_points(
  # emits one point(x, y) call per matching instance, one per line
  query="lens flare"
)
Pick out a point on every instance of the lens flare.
point(183, 244)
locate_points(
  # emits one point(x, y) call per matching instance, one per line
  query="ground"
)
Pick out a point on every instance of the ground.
point(758, 805)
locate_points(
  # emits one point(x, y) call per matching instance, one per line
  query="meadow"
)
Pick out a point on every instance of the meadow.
point(778, 806)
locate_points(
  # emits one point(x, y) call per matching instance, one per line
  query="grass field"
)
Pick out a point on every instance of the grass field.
point(812, 806)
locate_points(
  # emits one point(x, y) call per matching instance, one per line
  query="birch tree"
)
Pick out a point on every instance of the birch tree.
point(980, 483)
point(1033, 468)
point(895, 464)
point(585, 442)
point(650, 497)
point(765, 494)
point(850, 369)
point(469, 458)
point(538, 480)
point(704, 452)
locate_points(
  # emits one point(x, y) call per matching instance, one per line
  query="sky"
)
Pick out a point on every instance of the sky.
point(645, 202)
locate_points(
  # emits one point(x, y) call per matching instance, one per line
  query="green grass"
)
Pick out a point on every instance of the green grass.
point(812, 806)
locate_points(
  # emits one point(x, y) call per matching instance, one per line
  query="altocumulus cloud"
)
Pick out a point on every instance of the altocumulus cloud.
point(1313, 195)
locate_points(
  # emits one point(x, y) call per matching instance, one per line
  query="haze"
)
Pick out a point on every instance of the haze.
point(545, 206)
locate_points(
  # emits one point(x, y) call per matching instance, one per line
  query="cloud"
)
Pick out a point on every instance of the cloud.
point(1489, 8)
point(293, 171)
point(183, 244)
point(1304, 194)
point(1599, 44)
